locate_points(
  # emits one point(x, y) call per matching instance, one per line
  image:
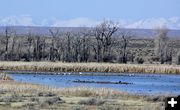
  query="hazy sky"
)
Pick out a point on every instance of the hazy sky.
point(49, 12)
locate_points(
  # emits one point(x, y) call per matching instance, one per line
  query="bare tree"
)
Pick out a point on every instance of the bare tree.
point(86, 33)
point(43, 48)
point(77, 47)
point(103, 34)
point(81, 45)
point(53, 50)
point(14, 38)
point(60, 48)
point(30, 40)
point(6, 41)
point(104, 43)
point(36, 50)
point(161, 43)
point(125, 38)
point(69, 37)
point(19, 50)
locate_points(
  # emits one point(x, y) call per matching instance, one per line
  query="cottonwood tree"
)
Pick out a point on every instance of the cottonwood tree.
point(103, 34)
point(36, 50)
point(60, 48)
point(42, 48)
point(125, 36)
point(77, 47)
point(6, 41)
point(161, 43)
point(13, 42)
point(53, 50)
point(19, 49)
point(81, 45)
point(104, 43)
point(85, 36)
point(30, 40)
point(69, 37)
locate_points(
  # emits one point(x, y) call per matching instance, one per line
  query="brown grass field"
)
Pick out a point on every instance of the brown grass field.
point(89, 67)
point(25, 96)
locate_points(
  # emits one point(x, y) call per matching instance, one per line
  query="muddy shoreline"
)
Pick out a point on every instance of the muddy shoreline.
point(79, 73)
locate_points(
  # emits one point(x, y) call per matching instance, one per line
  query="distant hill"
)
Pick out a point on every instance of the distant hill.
point(142, 33)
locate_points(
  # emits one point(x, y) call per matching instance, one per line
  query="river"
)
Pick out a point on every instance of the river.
point(147, 84)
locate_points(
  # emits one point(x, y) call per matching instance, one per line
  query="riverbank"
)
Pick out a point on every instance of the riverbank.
point(89, 67)
point(19, 96)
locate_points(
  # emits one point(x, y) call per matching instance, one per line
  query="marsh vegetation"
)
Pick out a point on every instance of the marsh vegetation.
point(56, 67)
point(20, 96)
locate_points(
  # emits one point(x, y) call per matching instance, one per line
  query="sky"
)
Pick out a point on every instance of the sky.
point(73, 13)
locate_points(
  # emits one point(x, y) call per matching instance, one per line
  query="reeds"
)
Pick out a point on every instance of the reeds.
point(23, 95)
point(89, 67)
point(5, 77)
point(18, 87)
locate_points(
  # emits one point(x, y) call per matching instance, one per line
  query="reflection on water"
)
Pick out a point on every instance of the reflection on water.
point(142, 83)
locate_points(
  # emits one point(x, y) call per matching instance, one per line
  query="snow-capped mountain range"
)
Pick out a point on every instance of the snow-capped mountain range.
point(149, 23)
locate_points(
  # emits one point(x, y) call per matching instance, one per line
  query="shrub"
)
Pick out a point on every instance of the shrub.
point(34, 99)
point(13, 98)
point(139, 60)
point(4, 76)
point(111, 107)
point(49, 94)
point(154, 98)
point(155, 58)
point(92, 101)
point(108, 58)
point(54, 100)
point(79, 108)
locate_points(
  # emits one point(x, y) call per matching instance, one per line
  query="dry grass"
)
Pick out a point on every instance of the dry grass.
point(20, 96)
point(89, 67)
point(19, 87)
point(5, 77)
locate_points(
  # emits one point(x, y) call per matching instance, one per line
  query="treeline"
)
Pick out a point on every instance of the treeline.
point(105, 42)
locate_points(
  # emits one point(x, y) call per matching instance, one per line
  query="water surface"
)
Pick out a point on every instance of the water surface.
point(142, 83)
